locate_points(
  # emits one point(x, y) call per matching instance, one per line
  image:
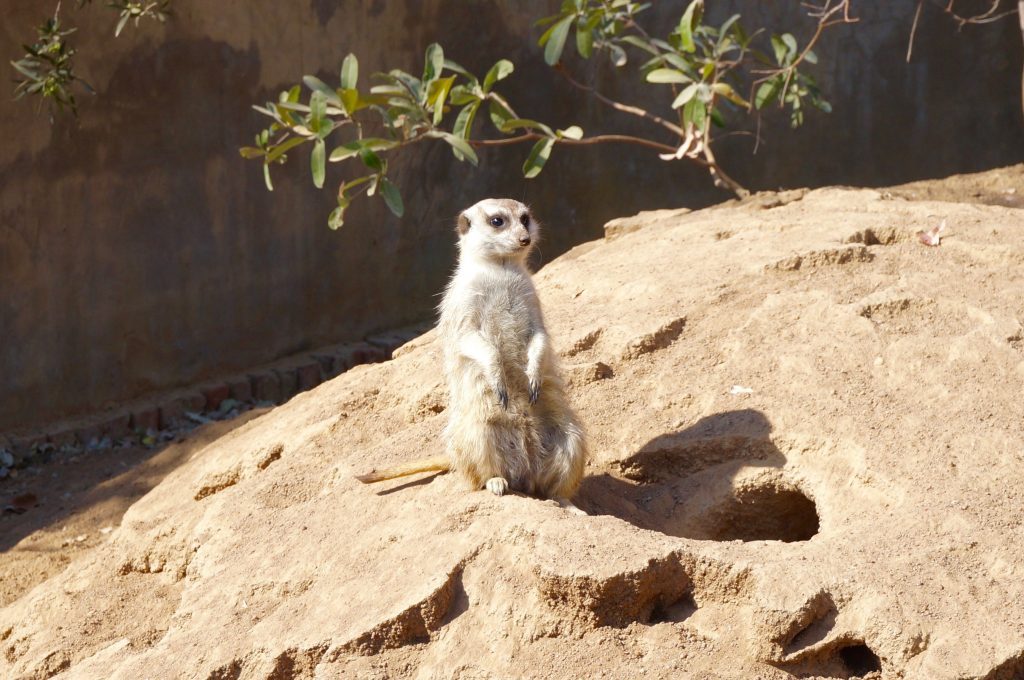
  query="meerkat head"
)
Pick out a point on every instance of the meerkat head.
point(497, 228)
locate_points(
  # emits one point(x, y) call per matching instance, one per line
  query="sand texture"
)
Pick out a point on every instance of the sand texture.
point(807, 431)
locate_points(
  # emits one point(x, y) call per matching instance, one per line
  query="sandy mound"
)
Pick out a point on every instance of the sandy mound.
point(807, 436)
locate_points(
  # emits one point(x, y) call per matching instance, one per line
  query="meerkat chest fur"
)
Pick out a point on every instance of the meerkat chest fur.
point(506, 307)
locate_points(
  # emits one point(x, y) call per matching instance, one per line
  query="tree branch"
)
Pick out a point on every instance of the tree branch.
point(586, 141)
point(618, 106)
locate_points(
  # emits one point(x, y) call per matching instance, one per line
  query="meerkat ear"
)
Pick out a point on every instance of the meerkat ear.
point(462, 224)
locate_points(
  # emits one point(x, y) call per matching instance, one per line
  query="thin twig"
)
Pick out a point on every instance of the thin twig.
point(586, 141)
point(618, 106)
point(913, 29)
point(987, 17)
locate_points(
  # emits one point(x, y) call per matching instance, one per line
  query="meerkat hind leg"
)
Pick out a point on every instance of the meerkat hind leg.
point(497, 485)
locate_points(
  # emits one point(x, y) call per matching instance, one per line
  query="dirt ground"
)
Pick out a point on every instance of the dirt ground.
point(58, 509)
point(806, 444)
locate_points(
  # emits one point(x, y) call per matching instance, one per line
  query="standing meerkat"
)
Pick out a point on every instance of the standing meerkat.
point(510, 425)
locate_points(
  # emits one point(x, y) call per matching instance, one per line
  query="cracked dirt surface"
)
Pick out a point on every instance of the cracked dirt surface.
point(807, 442)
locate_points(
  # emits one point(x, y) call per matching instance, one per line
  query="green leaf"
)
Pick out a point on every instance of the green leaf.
point(668, 75)
point(462, 95)
point(344, 151)
point(463, 127)
point(695, 112)
point(316, 164)
point(371, 160)
point(554, 41)
point(501, 70)
point(781, 48)
point(266, 177)
point(289, 106)
point(811, 57)
point(571, 132)
point(350, 100)
point(724, 29)
point(250, 152)
point(437, 95)
point(393, 199)
point(725, 90)
point(25, 70)
point(456, 68)
point(517, 123)
point(767, 93)
point(538, 157)
point(350, 149)
point(284, 147)
point(686, 26)
point(547, 21)
point(499, 113)
point(458, 144)
point(790, 42)
point(685, 96)
point(317, 85)
point(317, 110)
point(433, 62)
point(121, 23)
point(637, 41)
point(349, 72)
point(411, 84)
point(617, 55)
point(337, 217)
point(584, 41)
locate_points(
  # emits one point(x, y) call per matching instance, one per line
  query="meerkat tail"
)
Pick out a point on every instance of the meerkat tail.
point(433, 464)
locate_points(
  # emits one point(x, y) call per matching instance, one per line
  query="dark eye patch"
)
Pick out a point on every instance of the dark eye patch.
point(525, 219)
point(497, 221)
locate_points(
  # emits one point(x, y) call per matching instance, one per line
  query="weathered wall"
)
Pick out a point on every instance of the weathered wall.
point(139, 252)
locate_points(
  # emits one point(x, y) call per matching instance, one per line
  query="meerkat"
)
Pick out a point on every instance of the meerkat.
point(510, 425)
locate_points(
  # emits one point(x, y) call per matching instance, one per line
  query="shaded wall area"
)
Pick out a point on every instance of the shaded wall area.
point(139, 252)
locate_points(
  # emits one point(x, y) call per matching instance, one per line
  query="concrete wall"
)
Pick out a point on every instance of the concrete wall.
point(138, 252)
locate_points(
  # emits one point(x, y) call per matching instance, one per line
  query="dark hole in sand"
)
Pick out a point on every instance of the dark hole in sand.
point(860, 660)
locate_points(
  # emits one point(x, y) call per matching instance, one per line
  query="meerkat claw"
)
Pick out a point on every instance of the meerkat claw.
point(534, 392)
point(497, 485)
point(503, 398)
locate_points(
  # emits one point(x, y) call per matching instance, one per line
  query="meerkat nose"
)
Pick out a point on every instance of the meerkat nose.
point(524, 240)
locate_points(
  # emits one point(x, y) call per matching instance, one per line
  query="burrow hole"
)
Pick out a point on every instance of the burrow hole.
point(675, 612)
point(717, 488)
point(773, 511)
point(859, 660)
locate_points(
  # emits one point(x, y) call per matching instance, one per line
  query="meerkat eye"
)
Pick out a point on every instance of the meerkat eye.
point(525, 219)
point(497, 221)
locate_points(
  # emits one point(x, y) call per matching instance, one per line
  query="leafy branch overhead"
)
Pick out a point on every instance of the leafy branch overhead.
point(47, 71)
point(406, 109)
point(699, 70)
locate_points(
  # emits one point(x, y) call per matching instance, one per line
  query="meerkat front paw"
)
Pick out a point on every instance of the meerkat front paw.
point(497, 485)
